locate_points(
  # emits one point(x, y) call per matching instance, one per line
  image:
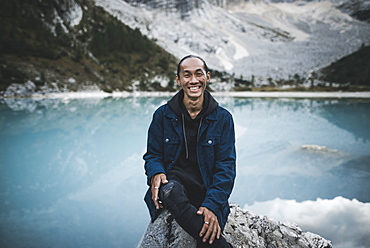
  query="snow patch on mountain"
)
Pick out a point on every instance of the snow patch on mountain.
point(76, 14)
point(256, 38)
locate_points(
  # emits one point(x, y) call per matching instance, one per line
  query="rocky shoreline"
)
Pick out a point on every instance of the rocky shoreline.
point(243, 230)
point(27, 91)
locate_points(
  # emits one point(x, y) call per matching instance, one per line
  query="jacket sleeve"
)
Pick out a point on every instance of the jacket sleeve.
point(224, 170)
point(154, 154)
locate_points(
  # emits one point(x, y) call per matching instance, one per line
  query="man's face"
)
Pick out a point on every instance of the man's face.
point(193, 78)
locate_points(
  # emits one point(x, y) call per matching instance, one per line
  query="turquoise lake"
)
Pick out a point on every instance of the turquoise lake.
point(71, 170)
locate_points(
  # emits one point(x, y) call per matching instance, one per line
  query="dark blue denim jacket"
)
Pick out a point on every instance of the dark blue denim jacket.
point(215, 152)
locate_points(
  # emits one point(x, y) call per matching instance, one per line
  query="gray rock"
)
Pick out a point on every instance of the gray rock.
point(243, 230)
point(164, 232)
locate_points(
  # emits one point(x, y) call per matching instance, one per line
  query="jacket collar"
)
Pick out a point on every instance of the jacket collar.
point(177, 108)
point(169, 113)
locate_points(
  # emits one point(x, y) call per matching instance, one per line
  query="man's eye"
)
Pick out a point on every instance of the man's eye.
point(199, 74)
point(186, 75)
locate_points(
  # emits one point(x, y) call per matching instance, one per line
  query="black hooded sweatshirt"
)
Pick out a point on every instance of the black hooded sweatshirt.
point(186, 169)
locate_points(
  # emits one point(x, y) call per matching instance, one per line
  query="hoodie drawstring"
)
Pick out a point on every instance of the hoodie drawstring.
point(200, 124)
point(184, 132)
point(186, 141)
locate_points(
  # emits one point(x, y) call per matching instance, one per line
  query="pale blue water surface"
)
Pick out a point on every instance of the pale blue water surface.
point(71, 171)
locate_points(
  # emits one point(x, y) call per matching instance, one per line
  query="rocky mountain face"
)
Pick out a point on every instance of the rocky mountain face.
point(72, 45)
point(253, 39)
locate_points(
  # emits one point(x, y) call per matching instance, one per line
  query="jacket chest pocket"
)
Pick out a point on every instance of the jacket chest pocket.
point(209, 146)
point(171, 145)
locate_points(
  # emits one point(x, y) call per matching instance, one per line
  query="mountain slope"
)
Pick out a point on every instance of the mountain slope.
point(69, 45)
point(353, 69)
point(64, 45)
point(256, 39)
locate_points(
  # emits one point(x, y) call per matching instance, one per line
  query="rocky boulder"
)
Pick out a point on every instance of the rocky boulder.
point(243, 230)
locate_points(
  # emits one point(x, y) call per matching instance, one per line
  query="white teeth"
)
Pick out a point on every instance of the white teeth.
point(194, 88)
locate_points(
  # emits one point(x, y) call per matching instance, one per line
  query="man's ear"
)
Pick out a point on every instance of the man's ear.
point(208, 76)
point(178, 80)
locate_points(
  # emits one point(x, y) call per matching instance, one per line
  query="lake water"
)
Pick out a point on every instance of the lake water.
point(71, 170)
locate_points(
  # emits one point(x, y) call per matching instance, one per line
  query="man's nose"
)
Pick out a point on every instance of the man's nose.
point(193, 79)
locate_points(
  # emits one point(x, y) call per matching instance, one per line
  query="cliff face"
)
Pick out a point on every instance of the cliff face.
point(243, 229)
point(357, 8)
point(184, 7)
point(69, 45)
point(256, 39)
point(72, 45)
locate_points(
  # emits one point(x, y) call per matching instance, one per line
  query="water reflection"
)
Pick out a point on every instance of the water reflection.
point(71, 172)
point(342, 115)
point(270, 146)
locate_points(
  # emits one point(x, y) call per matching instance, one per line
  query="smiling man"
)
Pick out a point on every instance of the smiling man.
point(190, 158)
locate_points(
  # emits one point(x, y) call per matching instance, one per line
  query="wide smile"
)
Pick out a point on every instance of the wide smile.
point(194, 88)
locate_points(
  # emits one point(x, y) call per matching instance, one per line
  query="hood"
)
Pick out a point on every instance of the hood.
point(177, 105)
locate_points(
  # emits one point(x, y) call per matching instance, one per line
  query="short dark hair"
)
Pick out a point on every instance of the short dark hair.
point(191, 56)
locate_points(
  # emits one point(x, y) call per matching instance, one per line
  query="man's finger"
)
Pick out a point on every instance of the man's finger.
point(156, 182)
point(155, 190)
point(210, 226)
point(213, 234)
point(204, 229)
point(209, 232)
point(155, 197)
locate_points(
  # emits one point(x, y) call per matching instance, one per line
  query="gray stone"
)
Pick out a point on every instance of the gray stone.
point(243, 230)
point(164, 232)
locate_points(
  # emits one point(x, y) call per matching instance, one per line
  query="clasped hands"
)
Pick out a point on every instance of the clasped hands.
point(210, 230)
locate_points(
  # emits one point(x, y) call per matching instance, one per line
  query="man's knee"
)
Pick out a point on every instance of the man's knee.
point(171, 190)
point(173, 196)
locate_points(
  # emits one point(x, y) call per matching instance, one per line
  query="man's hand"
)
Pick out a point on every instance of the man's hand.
point(211, 229)
point(156, 182)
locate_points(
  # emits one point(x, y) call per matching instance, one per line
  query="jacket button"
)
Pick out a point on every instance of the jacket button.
point(167, 140)
point(210, 142)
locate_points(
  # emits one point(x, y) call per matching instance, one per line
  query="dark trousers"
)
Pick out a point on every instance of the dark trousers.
point(174, 198)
